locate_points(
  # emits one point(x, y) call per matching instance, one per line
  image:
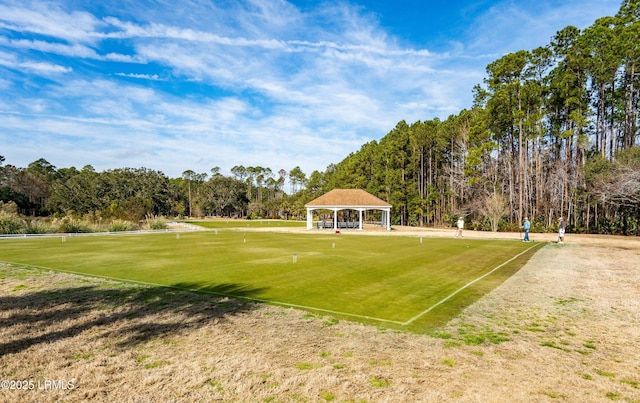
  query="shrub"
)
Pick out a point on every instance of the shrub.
point(122, 225)
point(69, 225)
point(9, 207)
point(506, 226)
point(11, 224)
point(37, 227)
point(155, 223)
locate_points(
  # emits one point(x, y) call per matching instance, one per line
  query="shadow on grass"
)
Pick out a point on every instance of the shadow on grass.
point(127, 313)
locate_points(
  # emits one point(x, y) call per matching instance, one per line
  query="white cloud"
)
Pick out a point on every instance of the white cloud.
point(257, 82)
point(45, 68)
point(509, 26)
point(152, 77)
point(102, 88)
point(4, 83)
point(63, 49)
point(45, 18)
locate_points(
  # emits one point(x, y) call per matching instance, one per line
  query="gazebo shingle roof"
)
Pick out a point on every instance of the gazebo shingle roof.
point(347, 198)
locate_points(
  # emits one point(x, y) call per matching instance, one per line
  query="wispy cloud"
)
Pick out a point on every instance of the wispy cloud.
point(511, 25)
point(152, 77)
point(197, 84)
point(45, 18)
point(13, 62)
point(64, 49)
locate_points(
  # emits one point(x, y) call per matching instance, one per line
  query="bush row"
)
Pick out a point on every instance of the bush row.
point(11, 223)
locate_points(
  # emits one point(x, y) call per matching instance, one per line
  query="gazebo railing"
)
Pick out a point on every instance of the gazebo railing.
point(339, 225)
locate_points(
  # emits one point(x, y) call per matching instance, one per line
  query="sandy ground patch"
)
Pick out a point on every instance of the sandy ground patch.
point(566, 327)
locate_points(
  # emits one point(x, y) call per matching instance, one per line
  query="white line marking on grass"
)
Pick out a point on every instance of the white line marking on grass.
point(463, 287)
point(327, 311)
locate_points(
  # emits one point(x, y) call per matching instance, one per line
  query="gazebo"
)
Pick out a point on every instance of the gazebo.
point(349, 199)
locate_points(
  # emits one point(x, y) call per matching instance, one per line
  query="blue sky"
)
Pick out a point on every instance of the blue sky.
point(191, 84)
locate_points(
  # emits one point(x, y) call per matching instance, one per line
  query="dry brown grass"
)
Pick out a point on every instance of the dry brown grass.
point(571, 317)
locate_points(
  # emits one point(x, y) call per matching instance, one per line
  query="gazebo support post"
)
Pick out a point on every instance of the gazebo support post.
point(309, 218)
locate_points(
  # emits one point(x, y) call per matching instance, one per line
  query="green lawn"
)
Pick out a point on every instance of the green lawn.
point(240, 223)
point(387, 281)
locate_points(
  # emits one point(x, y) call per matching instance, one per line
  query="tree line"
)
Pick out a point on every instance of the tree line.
point(552, 132)
point(133, 194)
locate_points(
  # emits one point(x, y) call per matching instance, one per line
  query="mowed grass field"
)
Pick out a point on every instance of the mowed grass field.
point(240, 224)
point(391, 281)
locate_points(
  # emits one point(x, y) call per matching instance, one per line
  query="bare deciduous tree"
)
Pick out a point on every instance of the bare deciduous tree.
point(494, 208)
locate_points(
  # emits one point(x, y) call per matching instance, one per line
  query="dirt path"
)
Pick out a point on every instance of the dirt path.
point(566, 327)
